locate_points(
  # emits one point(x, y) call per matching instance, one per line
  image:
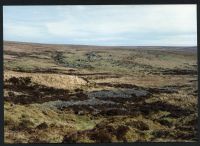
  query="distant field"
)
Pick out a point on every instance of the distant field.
point(92, 94)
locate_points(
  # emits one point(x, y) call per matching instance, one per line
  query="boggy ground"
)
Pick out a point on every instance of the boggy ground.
point(87, 94)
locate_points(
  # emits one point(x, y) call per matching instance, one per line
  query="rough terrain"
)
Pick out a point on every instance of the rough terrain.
point(91, 94)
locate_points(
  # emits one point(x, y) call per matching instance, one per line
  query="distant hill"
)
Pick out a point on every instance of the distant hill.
point(71, 46)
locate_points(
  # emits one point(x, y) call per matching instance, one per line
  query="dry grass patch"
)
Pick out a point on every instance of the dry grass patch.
point(50, 80)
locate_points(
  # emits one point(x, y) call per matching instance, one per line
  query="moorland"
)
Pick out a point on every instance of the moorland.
point(95, 94)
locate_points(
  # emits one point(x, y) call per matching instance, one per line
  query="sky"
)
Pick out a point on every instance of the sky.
point(119, 25)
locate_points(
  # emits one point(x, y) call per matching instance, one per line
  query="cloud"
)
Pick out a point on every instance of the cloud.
point(22, 31)
point(108, 25)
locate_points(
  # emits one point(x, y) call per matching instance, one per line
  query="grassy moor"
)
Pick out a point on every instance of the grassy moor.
point(99, 94)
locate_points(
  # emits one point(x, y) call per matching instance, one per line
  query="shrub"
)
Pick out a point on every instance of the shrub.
point(71, 138)
point(23, 81)
point(13, 80)
point(121, 131)
point(102, 136)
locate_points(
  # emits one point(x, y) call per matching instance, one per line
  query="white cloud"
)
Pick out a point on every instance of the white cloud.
point(157, 23)
point(161, 19)
point(22, 30)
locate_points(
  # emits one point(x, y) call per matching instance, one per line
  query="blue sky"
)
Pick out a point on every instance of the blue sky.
point(133, 25)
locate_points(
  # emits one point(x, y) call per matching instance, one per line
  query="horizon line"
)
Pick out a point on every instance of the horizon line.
point(27, 42)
